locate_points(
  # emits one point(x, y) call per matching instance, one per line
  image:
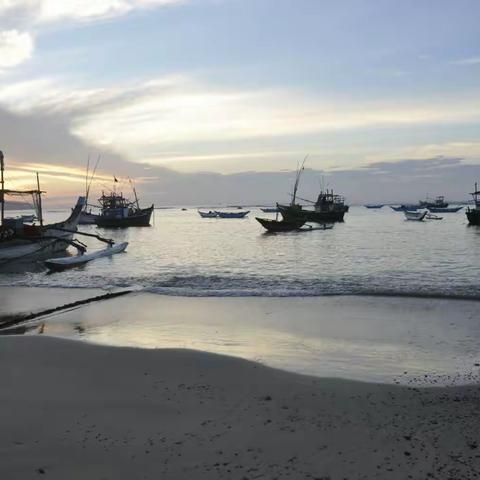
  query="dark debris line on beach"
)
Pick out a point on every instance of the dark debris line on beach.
point(9, 321)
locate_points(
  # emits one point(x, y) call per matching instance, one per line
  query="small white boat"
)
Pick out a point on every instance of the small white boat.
point(431, 216)
point(57, 264)
point(415, 216)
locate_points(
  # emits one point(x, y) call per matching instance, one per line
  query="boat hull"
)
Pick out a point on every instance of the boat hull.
point(290, 213)
point(52, 239)
point(232, 214)
point(415, 216)
point(444, 210)
point(139, 219)
point(473, 216)
point(280, 226)
point(87, 218)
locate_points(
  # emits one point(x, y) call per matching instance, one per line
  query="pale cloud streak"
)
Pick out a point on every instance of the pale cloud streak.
point(15, 48)
point(467, 61)
point(158, 121)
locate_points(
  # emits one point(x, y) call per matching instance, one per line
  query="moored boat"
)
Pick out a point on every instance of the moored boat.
point(405, 207)
point(437, 202)
point(473, 214)
point(232, 214)
point(328, 208)
point(445, 210)
point(280, 225)
point(415, 216)
point(374, 206)
point(21, 242)
point(269, 210)
point(209, 214)
point(118, 211)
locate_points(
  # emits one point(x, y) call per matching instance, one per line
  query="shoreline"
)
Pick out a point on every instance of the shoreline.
point(75, 410)
point(376, 339)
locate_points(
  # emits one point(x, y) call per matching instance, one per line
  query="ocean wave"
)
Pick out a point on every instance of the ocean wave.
point(257, 286)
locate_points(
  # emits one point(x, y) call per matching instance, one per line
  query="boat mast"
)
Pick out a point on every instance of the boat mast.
point(2, 183)
point(297, 180)
point(39, 193)
point(135, 193)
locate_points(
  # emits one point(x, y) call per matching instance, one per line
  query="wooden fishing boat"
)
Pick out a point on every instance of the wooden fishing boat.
point(58, 264)
point(406, 207)
point(232, 214)
point(444, 210)
point(415, 216)
point(208, 214)
point(437, 202)
point(328, 207)
point(118, 211)
point(374, 206)
point(473, 214)
point(269, 210)
point(21, 242)
point(280, 225)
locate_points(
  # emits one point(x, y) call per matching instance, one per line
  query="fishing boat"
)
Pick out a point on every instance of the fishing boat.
point(328, 207)
point(269, 210)
point(437, 202)
point(431, 216)
point(445, 210)
point(59, 264)
point(280, 225)
point(232, 214)
point(406, 207)
point(415, 216)
point(209, 214)
point(374, 206)
point(21, 242)
point(473, 214)
point(118, 211)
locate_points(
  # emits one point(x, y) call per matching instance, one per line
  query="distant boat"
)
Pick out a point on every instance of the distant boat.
point(269, 210)
point(444, 210)
point(438, 202)
point(87, 217)
point(232, 214)
point(208, 214)
point(415, 216)
point(280, 225)
point(473, 214)
point(403, 208)
point(431, 216)
point(380, 205)
point(28, 218)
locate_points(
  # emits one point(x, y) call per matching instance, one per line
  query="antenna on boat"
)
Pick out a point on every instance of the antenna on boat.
point(2, 183)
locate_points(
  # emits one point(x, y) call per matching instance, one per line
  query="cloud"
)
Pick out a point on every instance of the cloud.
point(47, 11)
point(467, 61)
point(15, 48)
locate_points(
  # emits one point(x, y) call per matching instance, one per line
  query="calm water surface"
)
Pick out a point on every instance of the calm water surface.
point(372, 252)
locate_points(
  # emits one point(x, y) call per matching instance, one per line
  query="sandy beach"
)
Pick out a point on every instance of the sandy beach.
point(74, 410)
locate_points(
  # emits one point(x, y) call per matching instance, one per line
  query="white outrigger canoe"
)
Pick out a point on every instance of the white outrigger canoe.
point(63, 263)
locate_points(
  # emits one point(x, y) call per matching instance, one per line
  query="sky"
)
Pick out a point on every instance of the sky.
point(215, 101)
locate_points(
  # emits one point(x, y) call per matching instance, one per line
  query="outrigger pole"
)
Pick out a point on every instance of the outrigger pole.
point(40, 212)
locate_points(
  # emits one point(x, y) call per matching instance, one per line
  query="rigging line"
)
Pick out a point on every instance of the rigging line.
point(93, 175)
point(86, 177)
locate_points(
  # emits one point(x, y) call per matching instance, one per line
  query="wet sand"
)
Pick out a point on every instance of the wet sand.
point(75, 410)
